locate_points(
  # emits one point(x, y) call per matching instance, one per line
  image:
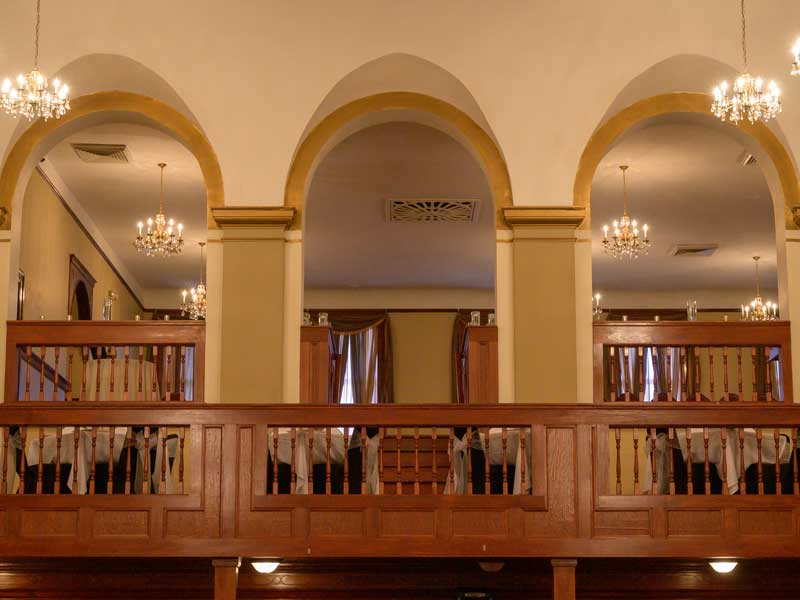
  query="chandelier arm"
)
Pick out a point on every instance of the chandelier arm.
point(36, 35)
point(161, 195)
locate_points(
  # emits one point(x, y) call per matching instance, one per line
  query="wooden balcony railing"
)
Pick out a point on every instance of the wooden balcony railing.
point(692, 361)
point(191, 479)
point(142, 361)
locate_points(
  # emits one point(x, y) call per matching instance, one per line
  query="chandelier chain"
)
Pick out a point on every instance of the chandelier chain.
point(744, 38)
point(36, 36)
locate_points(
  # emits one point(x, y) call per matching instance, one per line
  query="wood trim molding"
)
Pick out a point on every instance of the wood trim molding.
point(566, 217)
point(237, 217)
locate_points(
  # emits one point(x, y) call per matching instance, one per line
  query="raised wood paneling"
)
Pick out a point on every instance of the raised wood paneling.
point(49, 523)
point(694, 522)
point(480, 352)
point(766, 522)
point(407, 523)
point(616, 523)
point(316, 364)
point(121, 523)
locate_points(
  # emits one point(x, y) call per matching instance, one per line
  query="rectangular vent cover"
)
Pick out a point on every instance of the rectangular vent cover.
point(701, 250)
point(428, 210)
point(102, 153)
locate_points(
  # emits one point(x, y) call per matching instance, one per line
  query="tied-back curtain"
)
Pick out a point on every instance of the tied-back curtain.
point(363, 344)
point(459, 359)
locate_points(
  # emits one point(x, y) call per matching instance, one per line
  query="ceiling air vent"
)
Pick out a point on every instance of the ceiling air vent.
point(102, 153)
point(425, 210)
point(699, 250)
point(746, 159)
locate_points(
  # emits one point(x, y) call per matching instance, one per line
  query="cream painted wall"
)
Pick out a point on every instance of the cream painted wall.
point(707, 298)
point(398, 298)
point(422, 346)
point(49, 236)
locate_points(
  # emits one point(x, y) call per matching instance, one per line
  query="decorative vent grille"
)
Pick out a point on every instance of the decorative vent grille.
point(702, 250)
point(422, 210)
point(102, 153)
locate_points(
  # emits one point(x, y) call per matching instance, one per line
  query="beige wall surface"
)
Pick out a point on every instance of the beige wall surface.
point(422, 346)
point(252, 320)
point(49, 235)
point(316, 298)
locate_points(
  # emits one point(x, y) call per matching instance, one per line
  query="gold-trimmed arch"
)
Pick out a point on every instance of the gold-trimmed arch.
point(184, 130)
point(483, 145)
point(684, 102)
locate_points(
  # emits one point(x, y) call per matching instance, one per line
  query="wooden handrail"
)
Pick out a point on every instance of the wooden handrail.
point(89, 335)
point(716, 338)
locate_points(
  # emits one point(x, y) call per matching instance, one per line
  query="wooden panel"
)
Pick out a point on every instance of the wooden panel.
point(614, 523)
point(694, 522)
point(766, 522)
point(336, 523)
point(560, 518)
point(316, 346)
point(407, 523)
point(480, 350)
point(124, 523)
point(480, 523)
point(49, 523)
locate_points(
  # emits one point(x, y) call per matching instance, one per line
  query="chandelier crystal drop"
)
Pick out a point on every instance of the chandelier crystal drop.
point(193, 302)
point(625, 240)
point(758, 310)
point(31, 95)
point(750, 97)
point(160, 238)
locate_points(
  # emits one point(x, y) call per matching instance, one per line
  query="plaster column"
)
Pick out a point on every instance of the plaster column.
point(790, 304)
point(583, 315)
point(292, 317)
point(8, 295)
point(214, 283)
point(252, 319)
point(504, 309)
point(545, 323)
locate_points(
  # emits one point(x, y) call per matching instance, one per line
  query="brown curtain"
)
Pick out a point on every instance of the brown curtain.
point(352, 337)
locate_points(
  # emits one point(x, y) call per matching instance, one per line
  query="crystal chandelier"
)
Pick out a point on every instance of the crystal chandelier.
point(625, 241)
point(749, 99)
point(160, 238)
point(796, 52)
point(193, 302)
point(758, 310)
point(30, 95)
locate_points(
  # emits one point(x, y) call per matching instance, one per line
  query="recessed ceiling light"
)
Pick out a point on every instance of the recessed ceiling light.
point(266, 567)
point(722, 566)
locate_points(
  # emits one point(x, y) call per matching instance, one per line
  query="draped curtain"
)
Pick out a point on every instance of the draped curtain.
point(363, 368)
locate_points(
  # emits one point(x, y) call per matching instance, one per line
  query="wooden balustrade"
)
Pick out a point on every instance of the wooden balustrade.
point(141, 361)
point(678, 361)
point(601, 480)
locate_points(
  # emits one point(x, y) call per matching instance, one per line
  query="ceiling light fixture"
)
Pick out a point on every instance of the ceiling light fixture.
point(266, 567)
point(758, 310)
point(160, 238)
point(625, 241)
point(195, 304)
point(30, 95)
point(749, 99)
point(723, 566)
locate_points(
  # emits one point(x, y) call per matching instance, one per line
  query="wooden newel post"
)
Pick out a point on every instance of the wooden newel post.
point(316, 366)
point(480, 352)
point(563, 578)
point(226, 576)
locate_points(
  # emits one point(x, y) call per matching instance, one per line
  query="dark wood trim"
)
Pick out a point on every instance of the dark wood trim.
point(90, 238)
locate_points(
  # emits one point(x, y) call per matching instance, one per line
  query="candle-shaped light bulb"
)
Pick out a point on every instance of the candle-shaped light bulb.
point(180, 229)
point(183, 293)
point(605, 231)
point(140, 225)
point(645, 228)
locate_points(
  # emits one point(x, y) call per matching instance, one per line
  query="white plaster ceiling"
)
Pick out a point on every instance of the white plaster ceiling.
point(685, 181)
point(350, 243)
point(117, 196)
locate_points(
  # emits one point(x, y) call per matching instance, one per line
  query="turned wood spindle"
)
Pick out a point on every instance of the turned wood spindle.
point(182, 386)
point(85, 357)
point(618, 440)
point(683, 374)
point(416, 461)
point(140, 374)
point(97, 381)
point(654, 362)
point(434, 474)
point(739, 373)
point(640, 369)
point(76, 440)
point(487, 477)
point(23, 437)
point(5, 461)
point(162, 434)
point(168, 385)
point(381, 484)
point(469, 461)
point(725, 392)
point(111, 436)
point(671, 433)
point(795, 480)
point(689, 468)
point(724, 448)
point(54, 395)
point(504, 439)
point(129, 451)
point(523, 467)
point(93, 464)
point(612, 380)
point(346, 486)
point(181, 450)
point(711, 373)
point(697, 396)
point(363, 460)
point(69, 395)
point(668, 361)
point(654, 480)
point(113, 354)
point(398, 467)
point(753, 385)
point(706, 465)
point(292, 464)
point(626, 374)
point(27, 373)
point(43, 356)
point(126, 373)
point(328, 461)
point(451, 473)
point(154, 382)
point(742, 480)
point(310, 460)
point(636, 489)
point(40, 470)
point(759, 437)
point(146, 462)
point(777, 436)
point(57, 484)
point(275, 461)
point(768, 375)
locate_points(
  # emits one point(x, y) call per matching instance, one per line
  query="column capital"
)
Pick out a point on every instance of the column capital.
point(248, 217)
point(567, 217)
point(227, 562)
